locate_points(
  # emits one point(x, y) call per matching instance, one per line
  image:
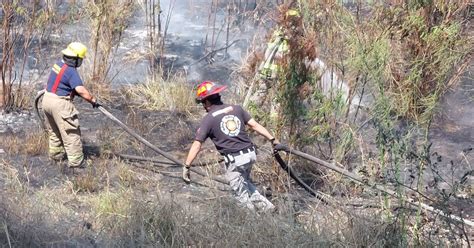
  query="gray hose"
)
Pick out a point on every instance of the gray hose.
point(39, 114)
point(150, 145)
point(41, 120)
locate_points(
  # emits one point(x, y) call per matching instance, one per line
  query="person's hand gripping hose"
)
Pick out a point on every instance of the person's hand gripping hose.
point(187, 174)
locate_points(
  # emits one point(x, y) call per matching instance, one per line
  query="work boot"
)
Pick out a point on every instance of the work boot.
point(83, 164)
point(83, 168)
point(59, 157)
point(261, 203)
point(264, 207)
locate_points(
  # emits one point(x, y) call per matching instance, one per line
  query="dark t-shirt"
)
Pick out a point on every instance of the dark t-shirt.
point(225, 125)
point(68, 83)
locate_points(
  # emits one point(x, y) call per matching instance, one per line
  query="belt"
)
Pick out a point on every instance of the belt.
point(68, 97)
point(231, 155)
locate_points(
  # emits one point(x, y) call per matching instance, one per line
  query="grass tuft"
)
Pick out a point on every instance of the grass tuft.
point(172, 94)
point(33, 144)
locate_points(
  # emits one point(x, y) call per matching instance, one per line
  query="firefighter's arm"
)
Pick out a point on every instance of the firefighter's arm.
point(84, 93)
point(193, 152)
point(261, 130)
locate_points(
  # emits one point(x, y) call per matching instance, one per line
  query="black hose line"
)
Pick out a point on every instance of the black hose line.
point(357, 178)
point(297, 179)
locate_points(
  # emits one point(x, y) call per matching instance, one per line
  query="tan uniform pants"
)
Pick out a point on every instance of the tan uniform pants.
point(64, 131)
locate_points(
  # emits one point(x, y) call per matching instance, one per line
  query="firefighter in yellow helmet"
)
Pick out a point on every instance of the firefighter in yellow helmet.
point(63, 83)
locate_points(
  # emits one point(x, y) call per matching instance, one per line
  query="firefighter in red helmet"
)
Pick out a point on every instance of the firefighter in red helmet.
point(225, 125)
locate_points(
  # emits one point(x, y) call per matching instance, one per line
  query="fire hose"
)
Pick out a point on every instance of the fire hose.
point(360, 180)
point(280, 161)
point(168, 156)
point(132, 133)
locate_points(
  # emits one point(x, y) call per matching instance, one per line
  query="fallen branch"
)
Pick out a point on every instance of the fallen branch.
point(7, 234)
point(214, 52)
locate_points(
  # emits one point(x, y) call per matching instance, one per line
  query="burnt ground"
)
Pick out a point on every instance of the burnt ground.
point(62, 204)
point(452, 137)
point(66, 198)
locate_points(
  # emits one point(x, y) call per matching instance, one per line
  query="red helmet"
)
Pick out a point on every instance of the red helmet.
point(208, 88)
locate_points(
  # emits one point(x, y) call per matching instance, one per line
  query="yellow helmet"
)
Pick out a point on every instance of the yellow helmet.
point(75, 49)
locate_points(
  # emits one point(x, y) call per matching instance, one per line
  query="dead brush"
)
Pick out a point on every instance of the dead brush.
point(12, 144)
point(126, 176)
point(23, 97)
point(96, 172)
point(102, 90)
point(127, 220)
point(87, 182)
point(35, 143)
point(135, 120)
point(107, 23)
point(33, 224)
point(10, 176)
point(171, 94)
point(112, 141)
point(111, 208)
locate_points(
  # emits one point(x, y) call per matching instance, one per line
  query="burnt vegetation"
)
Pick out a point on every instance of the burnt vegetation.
point(364, 85)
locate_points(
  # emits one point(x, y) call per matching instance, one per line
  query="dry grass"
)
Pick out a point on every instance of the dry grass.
point(133, 213)
point(88, 181)
point(110, 141)
point(172, 94)
point(10, 176)
point(166, 222)
point(33, 144)
point(126, 176)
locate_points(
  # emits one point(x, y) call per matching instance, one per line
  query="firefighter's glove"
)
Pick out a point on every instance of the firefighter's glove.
point(274, 142)
point(279, 147)
point(96, 104)
point(187, 174)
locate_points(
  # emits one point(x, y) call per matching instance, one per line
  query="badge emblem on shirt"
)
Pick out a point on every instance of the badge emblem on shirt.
point(230, 125)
